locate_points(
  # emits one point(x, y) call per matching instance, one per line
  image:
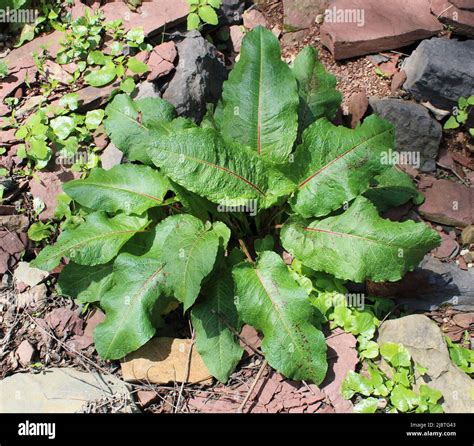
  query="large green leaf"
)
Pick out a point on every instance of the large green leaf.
point(200, 161)
point(333, 165)
point(269, 299)
point(95, 242)
point(129, 124)
point(129, 304)
point(187, 248)
point(85, 283)
point(259, 105)
point(393, 188)
point(316, 87)
point(127, 187)
point(358, 244)
point(211, 318)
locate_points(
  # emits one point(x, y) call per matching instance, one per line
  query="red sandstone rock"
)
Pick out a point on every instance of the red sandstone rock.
point(382, 26)
point(462, 20)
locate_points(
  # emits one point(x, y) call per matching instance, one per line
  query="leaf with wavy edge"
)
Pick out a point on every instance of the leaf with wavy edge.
point(96, 241)
point(316, 87)
point(129, 124)
point(393, 189)
point(200, 161)
point(259, 107)
point(269, 299)
point(359, 245)
point(333, 165)
point(215, 341)
point(128, 305)
point(127, 187)
point(188, 249)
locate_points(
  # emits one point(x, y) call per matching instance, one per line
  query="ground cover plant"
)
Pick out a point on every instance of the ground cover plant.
point(201, 214)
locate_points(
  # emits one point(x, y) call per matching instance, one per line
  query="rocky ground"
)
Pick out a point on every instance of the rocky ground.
point(408, 64)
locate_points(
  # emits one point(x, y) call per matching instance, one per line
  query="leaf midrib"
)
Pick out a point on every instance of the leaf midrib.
point(193, 245)
point(224, 169)
point(125, 314)
point(259, 104)
point(108, 234)
point(120, 189)
point(303, 353)
point(341, 156)
point(367, 239)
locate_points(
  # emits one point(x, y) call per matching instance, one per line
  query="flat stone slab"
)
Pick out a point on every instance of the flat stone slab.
point(440, 71)
point(57, 390)
point(21, 64)
point(461, 20)
point(424, 340)
point(154, 16)
point(449, 203)
point(165, 360)
point(358, 27)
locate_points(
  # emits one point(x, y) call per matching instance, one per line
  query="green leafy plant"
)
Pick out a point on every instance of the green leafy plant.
point(330, 297)
point(3, 69)
point(202, 11)
point(461, 356)
point(193, 218)
point(84, 46)
point(461, 115)
point(39, 231)
point(393, 393)
point(52, 14)
point(60, 132)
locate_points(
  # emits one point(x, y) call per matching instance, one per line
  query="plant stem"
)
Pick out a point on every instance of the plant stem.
point(245, 250)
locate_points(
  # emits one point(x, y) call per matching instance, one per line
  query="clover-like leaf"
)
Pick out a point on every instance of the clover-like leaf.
point(404, 399)
point(103, 76)
point(366, 405)
point(396, 354)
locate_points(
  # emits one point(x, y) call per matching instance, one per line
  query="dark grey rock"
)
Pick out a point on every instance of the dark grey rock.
point(441, 284)
point(230, 12)
point(417, 132)
point(441, 71)
point(198, 78)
